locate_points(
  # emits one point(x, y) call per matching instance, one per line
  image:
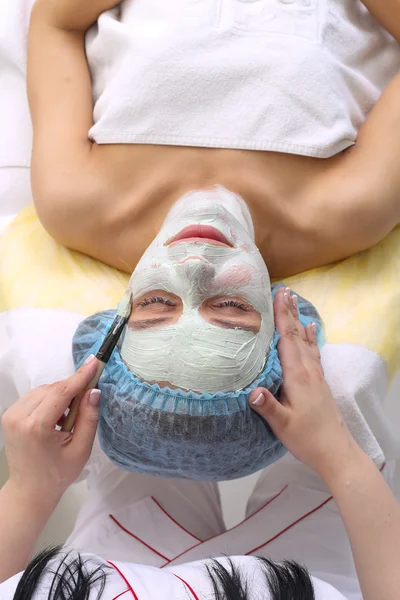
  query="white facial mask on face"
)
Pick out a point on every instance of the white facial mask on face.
point(192, 353)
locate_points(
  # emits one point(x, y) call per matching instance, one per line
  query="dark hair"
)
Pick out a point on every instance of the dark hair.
point(71, 579)
point(287, 580)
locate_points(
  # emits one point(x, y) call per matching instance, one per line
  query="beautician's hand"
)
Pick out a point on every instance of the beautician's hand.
point(41, 459)
point(307, 420)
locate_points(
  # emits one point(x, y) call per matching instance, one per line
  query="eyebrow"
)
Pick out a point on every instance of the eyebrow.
point(235, 325)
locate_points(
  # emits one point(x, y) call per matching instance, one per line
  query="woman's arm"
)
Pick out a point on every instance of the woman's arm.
point(60, 99)
point(43, 462)
point(371, 515)
point(366, 179)
point(22, 519)
point(310, 425)
point(387, 12)
point(357, 201)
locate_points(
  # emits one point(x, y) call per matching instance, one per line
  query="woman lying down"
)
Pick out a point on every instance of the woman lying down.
point(270, 99)
point(151, 538)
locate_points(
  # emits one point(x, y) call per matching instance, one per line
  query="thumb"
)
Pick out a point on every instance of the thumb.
point(86, 421)
point(268, 407)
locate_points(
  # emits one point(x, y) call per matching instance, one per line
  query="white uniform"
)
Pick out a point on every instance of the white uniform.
point(135, 522)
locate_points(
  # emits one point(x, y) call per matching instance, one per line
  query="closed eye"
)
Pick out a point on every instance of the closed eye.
point(235, 325)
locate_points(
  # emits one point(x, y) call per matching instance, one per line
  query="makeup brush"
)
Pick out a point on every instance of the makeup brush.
point(103, 355)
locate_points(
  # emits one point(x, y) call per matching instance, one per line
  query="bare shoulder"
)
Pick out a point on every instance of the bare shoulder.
point(356, 202)
point(346, 208)
point(73, 203)
point(106, 208)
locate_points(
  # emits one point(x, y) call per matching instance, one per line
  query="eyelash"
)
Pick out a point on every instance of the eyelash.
point(155, 300)
point(167, 302)
point(233, 303)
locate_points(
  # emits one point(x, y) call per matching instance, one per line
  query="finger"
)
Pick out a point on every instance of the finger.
point(25, 405)
point(311, 333)
point(289, 343)
point(86, 424)
point(295, 311)
point(32, 395)
point(268, 407)
point(59, 395)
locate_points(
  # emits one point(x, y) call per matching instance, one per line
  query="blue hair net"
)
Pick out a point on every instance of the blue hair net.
point(176, 433)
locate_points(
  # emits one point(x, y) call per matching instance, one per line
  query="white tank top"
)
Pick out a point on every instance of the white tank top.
point(296, 76)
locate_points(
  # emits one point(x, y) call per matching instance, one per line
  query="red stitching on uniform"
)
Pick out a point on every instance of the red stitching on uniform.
point(124, 578)
point(138, 539)
point(182, 553)
point(298, 520)
point(290, 526)
point(121, 594)
point(191, 590)
point(219, 534)
point(176, 522)
point(232, 528)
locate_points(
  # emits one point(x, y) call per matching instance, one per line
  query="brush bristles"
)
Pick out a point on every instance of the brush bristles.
point(124, 308)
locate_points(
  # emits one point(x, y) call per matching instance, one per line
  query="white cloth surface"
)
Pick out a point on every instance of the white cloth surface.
point(35, 348)
point(15, 193)
point(296, 76)
point(15, 123)
point(359, 383)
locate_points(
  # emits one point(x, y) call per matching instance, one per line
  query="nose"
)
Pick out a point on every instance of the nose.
point(189, 258)
point(196, 270)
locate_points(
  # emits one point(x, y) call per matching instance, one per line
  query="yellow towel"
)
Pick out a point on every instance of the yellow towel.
point(358, 298)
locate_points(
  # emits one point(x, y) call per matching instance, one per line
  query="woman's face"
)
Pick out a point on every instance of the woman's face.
point(201, 299)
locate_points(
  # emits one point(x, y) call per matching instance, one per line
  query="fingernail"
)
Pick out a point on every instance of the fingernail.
point(89, 359)
point(294, 300)
point(287, 290)
point(314, 327)
point(286, 298)
point(259, 401)
point(94, 397)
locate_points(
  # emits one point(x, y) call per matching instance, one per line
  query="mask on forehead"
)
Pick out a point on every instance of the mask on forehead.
point(193, 353)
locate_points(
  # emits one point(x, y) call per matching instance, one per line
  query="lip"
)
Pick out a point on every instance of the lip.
point(200, 233)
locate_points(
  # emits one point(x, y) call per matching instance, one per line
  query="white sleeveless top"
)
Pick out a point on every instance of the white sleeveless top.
point(296, 76)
